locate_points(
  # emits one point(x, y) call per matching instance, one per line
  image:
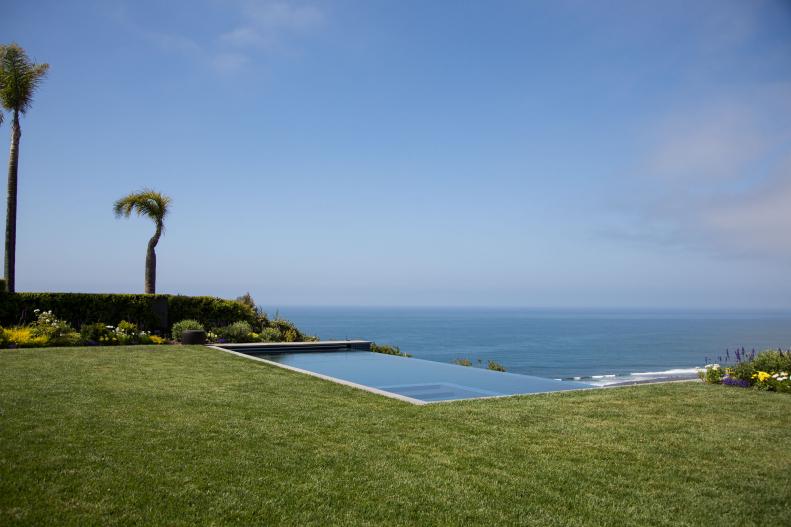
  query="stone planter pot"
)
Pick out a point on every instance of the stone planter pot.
point(193, 336)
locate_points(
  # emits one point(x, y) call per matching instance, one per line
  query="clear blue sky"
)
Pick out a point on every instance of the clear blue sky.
point(556, 153)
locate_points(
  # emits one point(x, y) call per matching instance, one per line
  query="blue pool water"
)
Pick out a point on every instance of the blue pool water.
point(425, 381)
point(595, 346)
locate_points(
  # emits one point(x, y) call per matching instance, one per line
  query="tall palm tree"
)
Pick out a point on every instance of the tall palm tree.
point(19, 78)
point(155, 206)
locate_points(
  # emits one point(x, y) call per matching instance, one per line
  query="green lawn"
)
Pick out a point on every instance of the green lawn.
point(190, 435)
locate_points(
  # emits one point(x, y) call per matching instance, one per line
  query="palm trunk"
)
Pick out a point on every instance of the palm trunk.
point(151, 261)
point(10, 222)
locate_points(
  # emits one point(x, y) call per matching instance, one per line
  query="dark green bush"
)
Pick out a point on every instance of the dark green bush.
point(210, 311)
point(148, 312)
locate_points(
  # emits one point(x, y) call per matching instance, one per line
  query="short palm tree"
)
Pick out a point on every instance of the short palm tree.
point(19, 78)
point(155, 206)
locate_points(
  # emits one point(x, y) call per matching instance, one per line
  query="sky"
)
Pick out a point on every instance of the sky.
point(504, 153)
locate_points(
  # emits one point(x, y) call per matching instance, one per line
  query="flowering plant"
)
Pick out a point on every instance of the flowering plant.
point(777, 381)
point(22, 338)
point(712, 373)
point(128, 333)
point(54, 331)
point(767, 370)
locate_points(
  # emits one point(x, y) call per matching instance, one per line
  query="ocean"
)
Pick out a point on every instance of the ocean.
point(596, 346)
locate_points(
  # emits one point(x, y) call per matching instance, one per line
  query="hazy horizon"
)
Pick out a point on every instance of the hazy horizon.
point(615, 155)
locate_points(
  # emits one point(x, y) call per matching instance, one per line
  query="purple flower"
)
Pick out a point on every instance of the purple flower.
point(730, 381)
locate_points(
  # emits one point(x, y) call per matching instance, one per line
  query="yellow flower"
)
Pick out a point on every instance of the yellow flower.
point(19, 336)
point(23, 337)
point(761, 376)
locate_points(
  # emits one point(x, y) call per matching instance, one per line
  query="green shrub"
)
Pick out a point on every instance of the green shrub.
point(712, 374)
point(128, 333)
point(271, 335)
point(98, 334)
point(772, 361)
point(291, 335)
point(54, 331)
point(388, 350)
point(184, 325)
point(247, 300)
point(287, 330)
point(239, 331)
point(776, 382)
point(496, 366)
point(742, 370)
point(462, 362)
point(766, 361)
point(210, 311)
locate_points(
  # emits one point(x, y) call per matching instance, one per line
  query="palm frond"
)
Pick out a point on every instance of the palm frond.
point(19, 78)
point(147, 202)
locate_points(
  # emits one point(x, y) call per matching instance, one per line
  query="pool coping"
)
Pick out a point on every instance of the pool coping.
point(352, 344)
point(418, 402)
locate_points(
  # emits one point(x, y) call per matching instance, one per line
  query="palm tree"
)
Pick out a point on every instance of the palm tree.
point(155, 206)
point(19, 78)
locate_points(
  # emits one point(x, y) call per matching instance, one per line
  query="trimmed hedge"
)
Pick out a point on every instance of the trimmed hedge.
point(150, 312)
point(210, 311)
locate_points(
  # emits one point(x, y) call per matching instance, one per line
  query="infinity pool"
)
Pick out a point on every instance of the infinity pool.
point(414, 379)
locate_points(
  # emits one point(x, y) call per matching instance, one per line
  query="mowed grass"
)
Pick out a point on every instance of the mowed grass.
point(194, 436)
